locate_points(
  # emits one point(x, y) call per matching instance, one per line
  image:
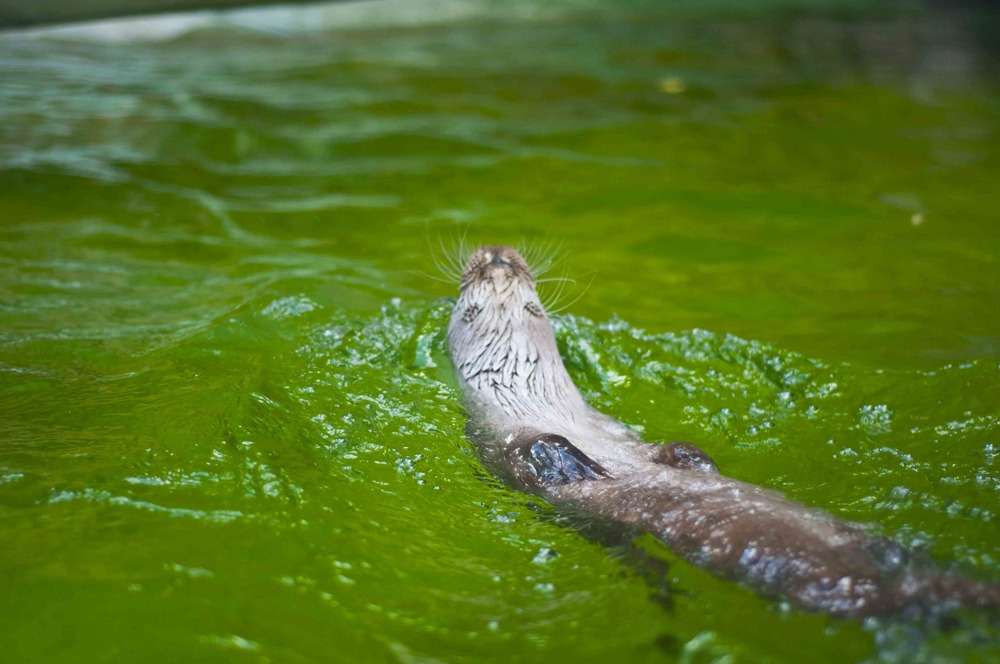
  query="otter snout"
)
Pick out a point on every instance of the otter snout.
point(494, 263)
point(497, 258)
point(498, 267)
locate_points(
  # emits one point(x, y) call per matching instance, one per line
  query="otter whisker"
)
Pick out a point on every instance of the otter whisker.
point(451, 253)
point(542, 257)
point(529, 253)
point(444, 280)
point(443, 262)
point(449, 261)
point(574, 300)
point(461, 253)
point(450, 266)
point(447, 271)
point(553, 298)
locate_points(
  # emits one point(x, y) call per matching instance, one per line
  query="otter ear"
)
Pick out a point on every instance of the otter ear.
point(686, 456)
point(534, 309)
point(470, 312)
point(550, 460)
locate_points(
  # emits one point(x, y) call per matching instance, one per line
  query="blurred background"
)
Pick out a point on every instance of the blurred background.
point(229, 429)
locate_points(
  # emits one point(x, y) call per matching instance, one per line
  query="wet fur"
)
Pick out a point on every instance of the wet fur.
point(532, 427)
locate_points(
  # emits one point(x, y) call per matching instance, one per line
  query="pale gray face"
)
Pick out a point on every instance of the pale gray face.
point(499, 331)
point(497, 288)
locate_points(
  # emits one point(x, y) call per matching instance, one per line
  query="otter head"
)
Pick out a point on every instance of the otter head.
point(500, 339)
point(497, 284)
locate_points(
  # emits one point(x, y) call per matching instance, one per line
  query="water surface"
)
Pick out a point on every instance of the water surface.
point(230, 431)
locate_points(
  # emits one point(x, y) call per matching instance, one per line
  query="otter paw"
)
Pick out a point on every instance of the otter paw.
point(685, 456)
point(553, 460)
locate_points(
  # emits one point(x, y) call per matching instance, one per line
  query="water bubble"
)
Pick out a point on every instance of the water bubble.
point(876, 420)
point(289, 307)
point(544, 556)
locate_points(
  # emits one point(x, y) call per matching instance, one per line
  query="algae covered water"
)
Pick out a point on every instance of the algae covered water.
point(229, 429)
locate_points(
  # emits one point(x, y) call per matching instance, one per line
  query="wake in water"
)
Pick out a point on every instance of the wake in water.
point(532, 426)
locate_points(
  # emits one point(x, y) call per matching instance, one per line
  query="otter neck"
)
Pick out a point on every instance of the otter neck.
point(512, 373)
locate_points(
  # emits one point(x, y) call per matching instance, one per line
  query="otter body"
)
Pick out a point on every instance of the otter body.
point(532, 427)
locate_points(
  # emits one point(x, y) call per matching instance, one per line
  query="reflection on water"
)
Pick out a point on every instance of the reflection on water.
point(230, 426)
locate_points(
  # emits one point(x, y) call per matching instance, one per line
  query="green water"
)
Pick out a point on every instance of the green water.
point(228, 427)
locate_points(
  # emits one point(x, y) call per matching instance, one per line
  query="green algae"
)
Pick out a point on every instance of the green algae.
point(230, 430)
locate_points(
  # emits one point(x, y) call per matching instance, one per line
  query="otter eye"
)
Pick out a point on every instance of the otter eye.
point(534, 309)
point(470, 313)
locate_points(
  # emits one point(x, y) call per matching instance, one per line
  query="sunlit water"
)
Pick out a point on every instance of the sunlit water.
point(229, 427)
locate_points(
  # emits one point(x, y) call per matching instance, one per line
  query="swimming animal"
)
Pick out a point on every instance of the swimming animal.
point(532, 427)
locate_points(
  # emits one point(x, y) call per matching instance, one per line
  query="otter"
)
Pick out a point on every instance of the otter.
point(533, 428)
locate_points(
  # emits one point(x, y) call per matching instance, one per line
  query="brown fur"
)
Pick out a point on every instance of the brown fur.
point(533, 427)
